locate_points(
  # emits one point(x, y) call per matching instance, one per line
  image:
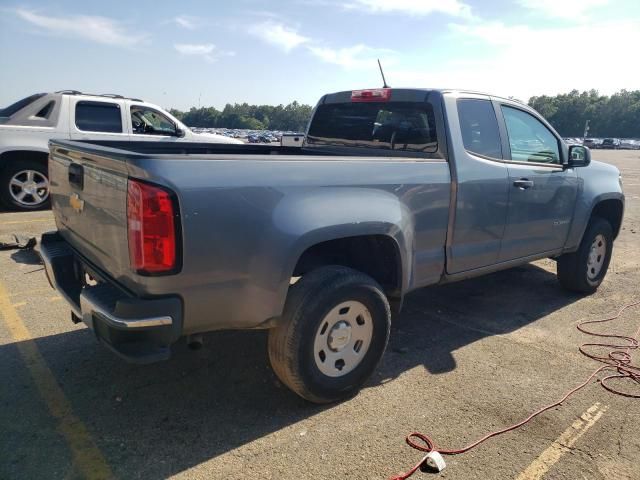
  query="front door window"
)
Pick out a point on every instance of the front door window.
point(147, 121)
point(530, 140)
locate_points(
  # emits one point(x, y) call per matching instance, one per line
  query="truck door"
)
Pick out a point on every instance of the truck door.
point(91, 119)
point(542, 194)
point(150, 125)
point(480, 177)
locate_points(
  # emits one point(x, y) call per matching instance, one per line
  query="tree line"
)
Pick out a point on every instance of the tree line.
point(292, 117)
point(614, 116)
point(617, 115)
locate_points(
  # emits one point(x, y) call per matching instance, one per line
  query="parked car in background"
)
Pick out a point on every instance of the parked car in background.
point(611, 143)
point(629, 144)
point(592, 143)
point(27, 126)
point(392, 190)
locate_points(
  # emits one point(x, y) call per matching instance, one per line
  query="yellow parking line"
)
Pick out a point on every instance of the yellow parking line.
point(561, 445)
point(88, 461)
point(15, 222)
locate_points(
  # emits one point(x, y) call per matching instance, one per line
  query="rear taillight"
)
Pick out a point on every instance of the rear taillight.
point(375, 95)
point(151, 228)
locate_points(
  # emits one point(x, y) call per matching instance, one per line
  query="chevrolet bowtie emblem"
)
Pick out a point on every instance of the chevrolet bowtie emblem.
point(76, 202)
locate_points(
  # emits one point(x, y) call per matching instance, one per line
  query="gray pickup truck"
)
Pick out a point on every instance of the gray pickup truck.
point(392, 190)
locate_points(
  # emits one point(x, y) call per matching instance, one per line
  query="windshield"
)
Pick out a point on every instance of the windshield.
point(19, 105)
point(397, 126)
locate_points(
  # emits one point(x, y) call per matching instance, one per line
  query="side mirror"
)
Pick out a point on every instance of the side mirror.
point(180, 133)
point(579, 156)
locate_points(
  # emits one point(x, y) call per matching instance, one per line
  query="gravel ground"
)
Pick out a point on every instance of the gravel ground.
point(464, 359)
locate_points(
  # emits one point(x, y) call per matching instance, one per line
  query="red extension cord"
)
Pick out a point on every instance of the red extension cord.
point(618, 360)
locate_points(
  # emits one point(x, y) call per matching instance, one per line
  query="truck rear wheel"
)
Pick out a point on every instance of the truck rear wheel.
point(24, 185)
point(333, 333)
point(584, 270)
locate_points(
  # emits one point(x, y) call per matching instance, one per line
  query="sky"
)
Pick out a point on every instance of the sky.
point(209, 53)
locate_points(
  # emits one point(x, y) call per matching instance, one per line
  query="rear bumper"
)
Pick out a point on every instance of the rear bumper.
point(139, 330)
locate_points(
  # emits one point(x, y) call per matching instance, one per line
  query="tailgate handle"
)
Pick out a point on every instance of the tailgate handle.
point(76, 175)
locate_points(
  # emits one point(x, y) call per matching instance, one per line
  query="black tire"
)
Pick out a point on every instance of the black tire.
point(291, 343)
point(573, 267)
point(8, 172)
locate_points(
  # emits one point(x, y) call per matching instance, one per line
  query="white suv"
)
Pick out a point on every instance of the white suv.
point(27, 126)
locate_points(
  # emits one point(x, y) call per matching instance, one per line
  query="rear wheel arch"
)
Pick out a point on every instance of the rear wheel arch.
point(322, 349)
point(376, 255)
point(21, 155)
point(24, 181)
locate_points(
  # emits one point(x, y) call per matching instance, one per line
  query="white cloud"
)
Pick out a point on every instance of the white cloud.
point(186, 21)
point(413, 7)
point(193, 49)
point(496, 33)
point(207, 51)
point(357, 56)
point(97, 29)
point(563, 8)
point(521, 61)
point(278, 35)
point(287, 39)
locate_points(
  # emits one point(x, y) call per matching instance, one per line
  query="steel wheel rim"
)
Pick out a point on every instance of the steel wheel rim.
point(343, 339)
point(29, 188)
point(597, 254)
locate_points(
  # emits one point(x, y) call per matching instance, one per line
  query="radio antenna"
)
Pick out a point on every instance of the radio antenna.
point(384, 80)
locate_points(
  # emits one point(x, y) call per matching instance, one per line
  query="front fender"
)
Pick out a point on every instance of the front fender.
point(598, 182)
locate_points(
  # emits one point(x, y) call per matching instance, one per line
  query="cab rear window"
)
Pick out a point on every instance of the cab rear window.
point(392, 126)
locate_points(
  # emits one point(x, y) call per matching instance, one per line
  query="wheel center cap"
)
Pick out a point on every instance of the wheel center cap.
point(339, 336)
point(30, 188)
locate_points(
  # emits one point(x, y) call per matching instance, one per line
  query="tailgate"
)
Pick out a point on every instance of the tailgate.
point(88, 196)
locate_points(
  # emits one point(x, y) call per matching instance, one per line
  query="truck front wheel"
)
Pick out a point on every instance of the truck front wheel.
point(584, 270)
point(333, 333)
point(24, 185)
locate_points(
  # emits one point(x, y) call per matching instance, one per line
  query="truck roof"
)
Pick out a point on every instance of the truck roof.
point(105, 95)
point(409, 91)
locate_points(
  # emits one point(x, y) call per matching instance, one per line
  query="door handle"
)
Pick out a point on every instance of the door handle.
point(523, 183)
point(76, 175)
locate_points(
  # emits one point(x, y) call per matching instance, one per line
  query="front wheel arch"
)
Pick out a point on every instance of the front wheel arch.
point(610, 210)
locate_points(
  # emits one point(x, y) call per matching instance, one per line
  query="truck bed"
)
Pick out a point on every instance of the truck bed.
point(163, 149)
point(245, 216)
